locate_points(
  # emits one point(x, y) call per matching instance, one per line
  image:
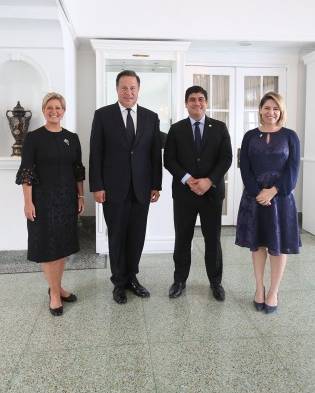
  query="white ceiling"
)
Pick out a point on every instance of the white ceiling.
point(224, 20)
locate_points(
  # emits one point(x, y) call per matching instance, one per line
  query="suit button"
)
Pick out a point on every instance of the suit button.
point(131, 152)
point(198, 159)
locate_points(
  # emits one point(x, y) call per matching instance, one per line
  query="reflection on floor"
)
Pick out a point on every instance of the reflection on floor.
point(190, 344)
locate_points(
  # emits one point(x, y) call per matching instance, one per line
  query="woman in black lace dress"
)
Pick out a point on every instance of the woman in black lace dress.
point(52, 175)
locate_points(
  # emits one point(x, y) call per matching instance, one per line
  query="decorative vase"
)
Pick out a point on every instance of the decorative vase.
point(19, 120)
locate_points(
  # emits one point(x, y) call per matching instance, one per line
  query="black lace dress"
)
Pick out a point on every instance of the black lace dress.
point(51, 163)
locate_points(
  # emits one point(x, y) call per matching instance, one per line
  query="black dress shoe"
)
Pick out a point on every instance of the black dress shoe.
point(176, 289)
point(139, 290)
point(56, 312)
point(218, 292)
point(119, 295)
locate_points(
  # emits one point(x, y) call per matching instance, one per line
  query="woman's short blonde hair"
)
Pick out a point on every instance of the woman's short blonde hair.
point(278, 99)
point(54, 96)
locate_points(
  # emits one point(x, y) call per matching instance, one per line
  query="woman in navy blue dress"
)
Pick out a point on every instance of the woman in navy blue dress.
point(267, 219)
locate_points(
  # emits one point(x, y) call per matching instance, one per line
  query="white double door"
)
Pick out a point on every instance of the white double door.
point(234, 94)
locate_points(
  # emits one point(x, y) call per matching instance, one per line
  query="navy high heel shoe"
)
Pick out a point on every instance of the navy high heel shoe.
point(259, 306)
point(271, 309)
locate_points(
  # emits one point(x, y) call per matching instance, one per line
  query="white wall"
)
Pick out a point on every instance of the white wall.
point(86, 101)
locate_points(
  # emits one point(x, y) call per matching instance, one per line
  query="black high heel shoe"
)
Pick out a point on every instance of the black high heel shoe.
point(56, 312)
point(271, 309)
point(259, 306)
point(69, 299)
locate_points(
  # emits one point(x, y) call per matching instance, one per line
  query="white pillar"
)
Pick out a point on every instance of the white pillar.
point(308, 209)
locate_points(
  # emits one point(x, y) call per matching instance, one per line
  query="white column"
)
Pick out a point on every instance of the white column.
point(309, 147)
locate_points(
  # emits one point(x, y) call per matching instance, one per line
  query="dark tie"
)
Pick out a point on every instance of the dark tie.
point(130, 127)
point(197, 137)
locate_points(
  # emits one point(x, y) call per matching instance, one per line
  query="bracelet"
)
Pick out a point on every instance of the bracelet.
point(80, 196)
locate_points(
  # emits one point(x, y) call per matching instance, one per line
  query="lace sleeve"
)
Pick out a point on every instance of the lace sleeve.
point(79, 172)
point(26, 176)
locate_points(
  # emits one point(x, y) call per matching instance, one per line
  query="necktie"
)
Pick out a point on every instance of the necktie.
point(197, 137)
point(130, 127)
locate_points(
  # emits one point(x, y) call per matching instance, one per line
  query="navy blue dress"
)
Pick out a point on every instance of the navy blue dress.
point(264, 165)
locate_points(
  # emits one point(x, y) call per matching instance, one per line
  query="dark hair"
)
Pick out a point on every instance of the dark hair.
point(127, 73)
point(195, 89)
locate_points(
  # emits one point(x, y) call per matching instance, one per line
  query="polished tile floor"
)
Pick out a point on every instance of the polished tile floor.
point(187, 345)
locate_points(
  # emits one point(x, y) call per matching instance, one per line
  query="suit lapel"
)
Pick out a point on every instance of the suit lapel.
point(206, 133)
point(188, 133)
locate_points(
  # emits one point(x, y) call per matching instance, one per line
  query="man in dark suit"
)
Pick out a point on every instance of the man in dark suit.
point(125, 176)
point(197, 153)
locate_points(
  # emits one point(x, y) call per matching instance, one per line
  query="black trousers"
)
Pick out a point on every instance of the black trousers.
point(185, 214)
point(126, 223)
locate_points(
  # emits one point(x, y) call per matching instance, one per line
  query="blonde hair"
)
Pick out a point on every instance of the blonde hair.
point(278, 99)
point(54, 96)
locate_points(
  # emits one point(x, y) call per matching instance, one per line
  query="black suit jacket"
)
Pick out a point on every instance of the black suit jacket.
point(215, 158)
point(114, 164)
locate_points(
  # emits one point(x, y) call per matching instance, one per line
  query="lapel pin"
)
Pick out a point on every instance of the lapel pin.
point(66, 141)
point(210, 125)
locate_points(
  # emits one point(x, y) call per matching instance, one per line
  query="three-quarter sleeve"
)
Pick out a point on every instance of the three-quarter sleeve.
point(248, 177)
point(287, 181)
point(27, 171)
point(78, 168)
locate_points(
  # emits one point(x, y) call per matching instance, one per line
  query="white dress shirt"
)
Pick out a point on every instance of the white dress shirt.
point(133, 114)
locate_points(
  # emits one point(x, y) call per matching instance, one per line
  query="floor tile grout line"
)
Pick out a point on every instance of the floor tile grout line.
point(22, 353)
point(149, 346)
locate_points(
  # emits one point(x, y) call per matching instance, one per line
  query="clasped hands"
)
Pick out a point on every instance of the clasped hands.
point(199, 186)
point(265, 196)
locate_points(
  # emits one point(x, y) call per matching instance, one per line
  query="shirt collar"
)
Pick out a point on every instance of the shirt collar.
point(133, 108)
point(201, 121)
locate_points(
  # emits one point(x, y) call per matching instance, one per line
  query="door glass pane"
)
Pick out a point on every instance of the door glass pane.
point(251, 120)
point(251, 92)
point(222, 116)
point(203, 81)
point(270, 83)
point(220, 92)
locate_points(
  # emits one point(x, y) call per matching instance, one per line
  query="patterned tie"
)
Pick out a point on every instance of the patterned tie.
point(197, 136)
point(130, 127)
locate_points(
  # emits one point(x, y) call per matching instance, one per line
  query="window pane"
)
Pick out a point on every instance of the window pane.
point(270, 83)
point(251, 92)
point(222, 116)
point(220, 92)
point(251, 118)
point(203, 81)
